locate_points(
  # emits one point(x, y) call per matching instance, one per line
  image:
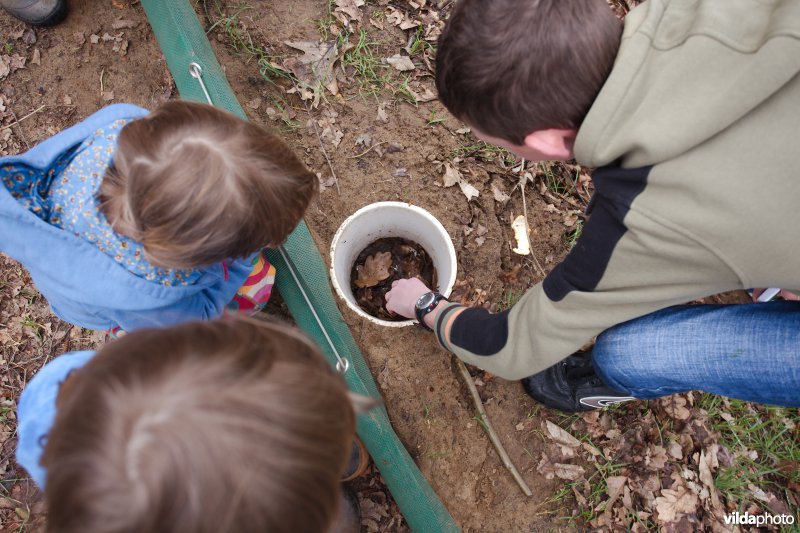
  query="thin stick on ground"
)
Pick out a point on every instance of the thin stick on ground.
point(18, 120)
point(365, 152)
point(523, 180)
point(490, 430)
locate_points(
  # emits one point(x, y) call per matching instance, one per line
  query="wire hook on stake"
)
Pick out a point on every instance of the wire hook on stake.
point(196, 71)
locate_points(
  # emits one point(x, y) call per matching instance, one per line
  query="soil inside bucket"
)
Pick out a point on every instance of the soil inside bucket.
point(383, 262)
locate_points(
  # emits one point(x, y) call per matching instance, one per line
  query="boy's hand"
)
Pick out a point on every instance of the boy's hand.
point(404, 295)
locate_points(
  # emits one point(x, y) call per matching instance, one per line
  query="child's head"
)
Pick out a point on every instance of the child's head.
point(512, 67)
point(232, 425)
point(197, 185)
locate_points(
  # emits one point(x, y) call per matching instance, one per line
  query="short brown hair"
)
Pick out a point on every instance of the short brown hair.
point(512, 67)
point(231, 425)
point(197, 185)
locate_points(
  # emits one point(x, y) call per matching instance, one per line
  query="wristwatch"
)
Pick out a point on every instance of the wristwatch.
point(425, 304)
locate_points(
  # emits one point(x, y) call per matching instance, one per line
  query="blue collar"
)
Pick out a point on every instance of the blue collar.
point(36, 411)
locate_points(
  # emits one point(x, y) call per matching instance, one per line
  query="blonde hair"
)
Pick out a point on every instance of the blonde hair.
point(231, 425)
point(197, 185)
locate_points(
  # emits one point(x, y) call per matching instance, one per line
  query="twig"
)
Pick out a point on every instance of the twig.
point(490, 430)
point(522, 183)
point(319, 138)
point(102, 74)
point(365, 152)
point(17, 121)
point(525, 213)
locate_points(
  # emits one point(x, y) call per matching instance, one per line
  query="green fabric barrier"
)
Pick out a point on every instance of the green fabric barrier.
point(302, 277)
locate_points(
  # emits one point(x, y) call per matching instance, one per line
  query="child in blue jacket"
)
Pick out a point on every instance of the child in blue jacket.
point(132, 219)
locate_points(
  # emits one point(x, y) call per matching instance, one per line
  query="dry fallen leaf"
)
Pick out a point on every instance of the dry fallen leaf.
point(5, 68)
point(314, 68)
point(423, 94)
point(569, 472)
point(570, 219)
point(655, 457)
point(399, 18)
point(561, 436)
point(675, 502)
point(329, 132)
point(675, 450)
point(375, 269)
point(675, 406)
point(774, 504)
point(325, 183)
point(499, 195)
point(521, 232)
point(469, 191)
point(708, 463)
point(451, 175)
point(566, 442)
point(401, 63)
point(121, 47)
point(17, 62)
point(615, 485)
point(382, 116)
point(347, 11)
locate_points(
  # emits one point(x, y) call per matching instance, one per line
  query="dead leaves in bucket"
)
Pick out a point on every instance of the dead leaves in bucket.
point(383, 262)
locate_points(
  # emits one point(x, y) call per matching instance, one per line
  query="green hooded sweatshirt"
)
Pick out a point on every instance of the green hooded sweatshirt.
point(695, 140)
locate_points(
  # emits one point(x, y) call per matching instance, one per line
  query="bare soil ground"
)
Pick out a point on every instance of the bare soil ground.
point(377, 133)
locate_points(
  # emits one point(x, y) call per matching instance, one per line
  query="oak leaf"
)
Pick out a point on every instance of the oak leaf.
point(675, 502)
point(375, 269)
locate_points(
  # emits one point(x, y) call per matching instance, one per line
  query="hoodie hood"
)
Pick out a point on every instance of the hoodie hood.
point(82, 284)
point(687, 70)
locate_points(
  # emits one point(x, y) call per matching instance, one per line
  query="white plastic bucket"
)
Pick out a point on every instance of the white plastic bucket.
point(390, 219)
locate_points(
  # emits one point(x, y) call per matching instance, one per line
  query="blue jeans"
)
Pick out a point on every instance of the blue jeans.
point(745, 351)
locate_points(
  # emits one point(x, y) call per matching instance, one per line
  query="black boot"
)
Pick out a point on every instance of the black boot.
point(572, 386)
point(36, 12)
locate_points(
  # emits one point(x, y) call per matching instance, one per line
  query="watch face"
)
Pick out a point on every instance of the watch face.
point(425, 300)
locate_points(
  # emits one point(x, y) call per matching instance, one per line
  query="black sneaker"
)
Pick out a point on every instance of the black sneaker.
point(36, 12)
point(572, 386)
